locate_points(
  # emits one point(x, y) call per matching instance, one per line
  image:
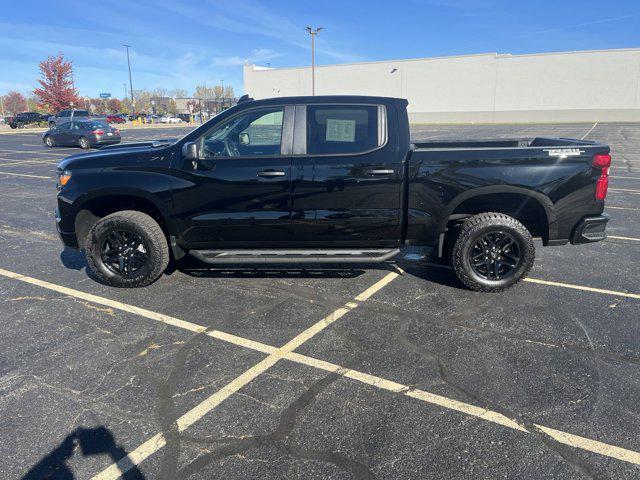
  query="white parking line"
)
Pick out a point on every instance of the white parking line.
point(622, 176)
point(25, 175)
point(157, 441)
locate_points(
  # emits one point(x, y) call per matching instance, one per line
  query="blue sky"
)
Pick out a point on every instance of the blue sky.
point(182, 43)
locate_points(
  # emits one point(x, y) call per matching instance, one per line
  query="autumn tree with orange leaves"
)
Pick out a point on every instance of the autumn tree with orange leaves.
point(15, 102)
point(57, 91)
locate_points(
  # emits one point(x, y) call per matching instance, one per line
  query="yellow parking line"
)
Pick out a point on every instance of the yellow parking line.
point(13, 163)
point(617, 293)
point(157, 442)
point(34, 152)
point(625, 190)
point(633, 239)
point(623, 208)
point(25, 175)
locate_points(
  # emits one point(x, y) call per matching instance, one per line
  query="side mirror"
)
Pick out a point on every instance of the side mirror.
point(190, 151)
point(244, 138)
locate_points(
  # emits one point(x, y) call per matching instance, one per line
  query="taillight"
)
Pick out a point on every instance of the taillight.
point(602, 161)
point(99, 132)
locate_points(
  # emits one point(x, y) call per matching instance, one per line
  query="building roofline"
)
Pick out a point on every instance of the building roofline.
point(422, 59)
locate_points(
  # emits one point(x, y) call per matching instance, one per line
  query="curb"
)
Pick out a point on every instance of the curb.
point(126, 127)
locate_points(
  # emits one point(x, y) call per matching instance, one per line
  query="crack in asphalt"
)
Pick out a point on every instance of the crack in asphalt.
point(279, 438)
point(562, 451)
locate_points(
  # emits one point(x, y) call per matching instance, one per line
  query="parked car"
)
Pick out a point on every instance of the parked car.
point(83, 133)
point(23, 119)
point(115, 119)
point(332, 179)
point(67, 115)
point(170, 119)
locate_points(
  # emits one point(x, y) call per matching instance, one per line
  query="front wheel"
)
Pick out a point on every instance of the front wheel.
point(48, 141)
point(127, 249)
point(492, 252)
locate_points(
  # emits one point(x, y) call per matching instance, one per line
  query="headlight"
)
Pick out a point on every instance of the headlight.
point(63, 178)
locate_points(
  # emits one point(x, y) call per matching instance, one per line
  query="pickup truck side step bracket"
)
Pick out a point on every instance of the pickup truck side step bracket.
point(228, 257)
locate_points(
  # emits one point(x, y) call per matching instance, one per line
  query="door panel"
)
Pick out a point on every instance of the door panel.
point(352, 198)
point(234, 199)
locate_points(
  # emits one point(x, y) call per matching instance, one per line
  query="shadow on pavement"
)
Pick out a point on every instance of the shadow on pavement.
point(90, 441)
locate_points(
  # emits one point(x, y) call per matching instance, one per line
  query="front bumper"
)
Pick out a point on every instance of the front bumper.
point(68, 238)
point(590, 229)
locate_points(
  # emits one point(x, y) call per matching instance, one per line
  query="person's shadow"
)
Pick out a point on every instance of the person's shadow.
point(91, 441)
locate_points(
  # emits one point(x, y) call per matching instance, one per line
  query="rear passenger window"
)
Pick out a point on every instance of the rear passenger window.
point(341, 129)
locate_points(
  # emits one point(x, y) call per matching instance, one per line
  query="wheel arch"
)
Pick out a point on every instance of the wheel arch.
point(99, 205)
point(533, 209)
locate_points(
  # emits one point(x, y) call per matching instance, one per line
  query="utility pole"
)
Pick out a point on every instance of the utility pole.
point(130, 82)
point(313, 34)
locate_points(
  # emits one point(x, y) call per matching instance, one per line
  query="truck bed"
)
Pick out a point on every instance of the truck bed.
point(536, 142)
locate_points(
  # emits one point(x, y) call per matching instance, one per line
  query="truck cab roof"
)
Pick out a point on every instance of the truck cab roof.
point(351, 99)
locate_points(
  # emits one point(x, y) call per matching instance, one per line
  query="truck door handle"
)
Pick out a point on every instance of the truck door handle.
point(380, 172)
point(271, 173)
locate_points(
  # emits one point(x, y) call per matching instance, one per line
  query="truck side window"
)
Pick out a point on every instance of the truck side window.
point(254, 133)
point(338, 129)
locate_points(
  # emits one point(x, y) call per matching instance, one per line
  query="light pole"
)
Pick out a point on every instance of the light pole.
point(222, 84)
point(130, 82)
point(313, 34)
point(2, 104)
point(126, 95)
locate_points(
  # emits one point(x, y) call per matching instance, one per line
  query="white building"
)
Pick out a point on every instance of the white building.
point(585, 86)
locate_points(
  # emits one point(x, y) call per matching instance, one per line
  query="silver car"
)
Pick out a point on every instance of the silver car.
point(68, 115)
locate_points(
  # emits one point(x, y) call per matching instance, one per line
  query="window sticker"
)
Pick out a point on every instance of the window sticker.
point(341, 130)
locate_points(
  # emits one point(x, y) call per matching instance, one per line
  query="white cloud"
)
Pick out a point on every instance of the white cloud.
point(259, 55)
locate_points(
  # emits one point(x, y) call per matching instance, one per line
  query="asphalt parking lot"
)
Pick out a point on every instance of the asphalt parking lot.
point(373, 373)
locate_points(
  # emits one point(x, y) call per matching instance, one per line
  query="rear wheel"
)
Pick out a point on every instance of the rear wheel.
point(49, 141)
point(84, 143)
point(127, 249)
point(492, 252)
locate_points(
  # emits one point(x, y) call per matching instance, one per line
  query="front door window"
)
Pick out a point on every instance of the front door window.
point(252, 134)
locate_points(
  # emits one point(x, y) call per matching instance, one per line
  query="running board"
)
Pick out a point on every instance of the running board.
point(219, 257)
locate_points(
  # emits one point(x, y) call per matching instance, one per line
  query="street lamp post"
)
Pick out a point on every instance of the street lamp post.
point(313, 34)
point(130, 82)
point(222, 105)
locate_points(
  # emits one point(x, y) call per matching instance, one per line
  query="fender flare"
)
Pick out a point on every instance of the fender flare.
point(543, 200)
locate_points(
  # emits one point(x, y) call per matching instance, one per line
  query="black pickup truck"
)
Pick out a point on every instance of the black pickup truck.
point(332, 179)
point(26, 118)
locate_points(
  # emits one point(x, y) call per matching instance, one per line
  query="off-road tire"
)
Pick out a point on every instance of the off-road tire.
point(154, 242)
point(471, 231)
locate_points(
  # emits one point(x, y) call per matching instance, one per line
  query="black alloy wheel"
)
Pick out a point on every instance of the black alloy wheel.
point(495, 256)
point(123, 252)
